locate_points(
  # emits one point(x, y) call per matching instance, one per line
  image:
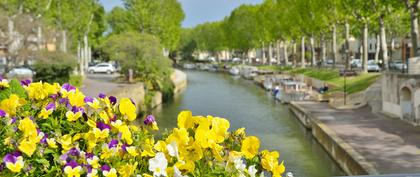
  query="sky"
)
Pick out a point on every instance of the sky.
point(198, 11)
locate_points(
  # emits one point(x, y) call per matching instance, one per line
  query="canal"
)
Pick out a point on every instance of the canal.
point(246, 105)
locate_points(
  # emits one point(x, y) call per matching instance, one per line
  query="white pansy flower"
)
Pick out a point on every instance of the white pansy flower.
point(178, 173)
point(239, 164)
point(158, 164)
point(172, 149)
point(252, 171)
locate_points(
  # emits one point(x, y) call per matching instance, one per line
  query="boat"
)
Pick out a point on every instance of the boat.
point(188, 66)
point(268, 84)
point(292, 91)
point(234, 71)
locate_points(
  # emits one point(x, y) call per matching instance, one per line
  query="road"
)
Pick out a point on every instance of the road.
point(94, 84)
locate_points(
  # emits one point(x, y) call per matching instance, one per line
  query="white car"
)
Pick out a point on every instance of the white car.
point(20, 73)
point(102, 68)
point(372, 66)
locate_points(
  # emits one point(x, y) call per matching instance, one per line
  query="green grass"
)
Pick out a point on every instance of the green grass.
point(354, 84)
point(76, 80)
point(274, 68)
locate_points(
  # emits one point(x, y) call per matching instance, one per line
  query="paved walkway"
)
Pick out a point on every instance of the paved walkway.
point(94, 84)
point(391, 145)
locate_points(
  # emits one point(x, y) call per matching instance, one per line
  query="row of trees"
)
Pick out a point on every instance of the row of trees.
point(322, 23)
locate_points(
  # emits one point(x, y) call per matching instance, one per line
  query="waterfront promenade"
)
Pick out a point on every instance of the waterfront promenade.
point(388, 145)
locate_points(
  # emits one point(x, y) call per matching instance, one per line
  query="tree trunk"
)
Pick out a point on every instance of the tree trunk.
point(85, 51)
point(263, 53)
point(384, 44)
point(414, 30)
point(278, 52)
point(270, 53)
point(377, 49)
point(302, 55)
point(347, 31)
point(294, 53)
point(323, 50)
point(39, 38)
point(334, 45)
point(286, 57)
point(365, 47)
point(63, 45)
point(313, 59)
point(80, 59)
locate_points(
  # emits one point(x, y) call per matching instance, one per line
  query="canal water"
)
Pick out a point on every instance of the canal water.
point(246, 105)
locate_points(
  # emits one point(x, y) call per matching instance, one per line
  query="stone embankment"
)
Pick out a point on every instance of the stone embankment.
point(360, 141)
point(137, 92)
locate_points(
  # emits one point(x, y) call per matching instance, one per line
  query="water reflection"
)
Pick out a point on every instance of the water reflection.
point(246, 105)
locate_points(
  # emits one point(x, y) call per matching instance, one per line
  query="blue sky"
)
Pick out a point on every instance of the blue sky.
point(198, 11)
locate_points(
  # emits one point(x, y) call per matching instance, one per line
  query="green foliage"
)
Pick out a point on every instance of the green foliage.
point(142, 53)
point(54, 66)
point(76, 80)
point(161, 18)
point(14, 88)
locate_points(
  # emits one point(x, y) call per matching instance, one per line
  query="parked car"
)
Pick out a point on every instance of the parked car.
point(102, 68)
point(329, 62)
point(372, 66)
point(356, 63)
point(20, 73)
point(397, 65)
point(236, 60)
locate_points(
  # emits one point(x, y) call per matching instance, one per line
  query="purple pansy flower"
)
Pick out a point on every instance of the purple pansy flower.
point(149, 120)
point(44, 139)
point(105, 167)
point(89, 155)
point(112, 99)
point(74, 152)
point(2, 113)
point(50, 106)
point(13, 120)
point(101, 95)
point(25, 82)
point(11, 157)
point(68, 87)
point(113, 143)
point(76, 109)
point(64, 101)
point(54, 96)
point(102, 126)
point(88, 99)
point(64, 157)
point(72, 164)
point(124, 147)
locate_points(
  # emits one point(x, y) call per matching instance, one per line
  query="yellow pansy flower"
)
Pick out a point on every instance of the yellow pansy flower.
point(126, 134)
point(188, 166)
point(127, 170)
point(72, 172)
point(180, 136)
point(76, 98)
point(37, 91)
point(66, 142)
point(28, 127)
point(278, 170)
point(100, 134)
point(250, 146)
point(17, 166)
point(191, 153)
point(148, 150)
point(71, 116)
point(219, 127)
point(4, 83)
point(132, 151)
point(45, 113)
point(127, 108)
point(269, 159)
point(185, 120)
point(11, 104)
point(94, 162)
point(27, 146)
point(160, 146)
point(240, 132)
point(51, 143)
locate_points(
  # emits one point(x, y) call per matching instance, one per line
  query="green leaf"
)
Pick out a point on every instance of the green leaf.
point(14, 88)
point(43, 162)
